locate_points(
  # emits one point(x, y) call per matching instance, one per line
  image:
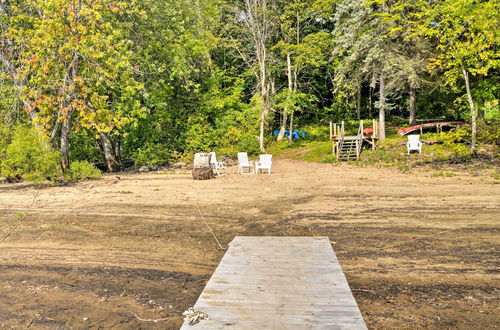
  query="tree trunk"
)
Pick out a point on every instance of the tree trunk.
point(290, 86)
point(370, 102)
point(261, 131)
point(109, 156)
point(290, 136)
point(265, 103)
point(55, 130)
point(64, 148)
point(382, 106)
point(265, 111)
point(358, 104)
point(413, 109)
point(472, 110)
point(284, 120)
point(258, 24)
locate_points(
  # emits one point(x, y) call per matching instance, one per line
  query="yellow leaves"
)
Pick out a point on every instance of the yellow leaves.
point(92, 39)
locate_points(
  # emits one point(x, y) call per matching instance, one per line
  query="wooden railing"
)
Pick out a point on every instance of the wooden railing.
point(337, 135)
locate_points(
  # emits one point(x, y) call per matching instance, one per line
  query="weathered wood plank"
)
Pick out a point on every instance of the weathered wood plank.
point(278, 283)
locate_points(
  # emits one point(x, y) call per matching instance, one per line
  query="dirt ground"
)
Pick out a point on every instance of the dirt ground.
point(418, 251)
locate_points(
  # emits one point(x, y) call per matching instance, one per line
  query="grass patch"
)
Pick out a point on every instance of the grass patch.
point(444, 174)
point(125, 192)
point(439, 151)
point(495, 176)
point(311, 151)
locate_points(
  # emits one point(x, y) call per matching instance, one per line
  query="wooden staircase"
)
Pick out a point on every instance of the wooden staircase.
point(349, 147)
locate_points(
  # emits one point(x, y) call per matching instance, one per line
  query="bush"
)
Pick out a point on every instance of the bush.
point(5, 137)
point(80, 170)
point(29, 156)
point(151, 154)
point(489, 133)
point(249, 143)
point(317, 132)
point(453, 148)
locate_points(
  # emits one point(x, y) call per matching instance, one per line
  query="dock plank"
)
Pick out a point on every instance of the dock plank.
point(278, 283)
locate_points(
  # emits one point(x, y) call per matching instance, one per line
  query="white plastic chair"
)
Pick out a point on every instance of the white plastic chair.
point(414, 143)
point(218, 167)
point(264, 163)
point(243, 163)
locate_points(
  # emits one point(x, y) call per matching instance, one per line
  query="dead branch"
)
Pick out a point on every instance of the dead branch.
point(361, 290)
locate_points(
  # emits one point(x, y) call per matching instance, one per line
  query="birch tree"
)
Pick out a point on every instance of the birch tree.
point(301, 46)
point(260, 22)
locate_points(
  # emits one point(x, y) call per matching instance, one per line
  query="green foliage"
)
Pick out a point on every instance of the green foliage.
point(489, 133)
point(389, 153)
point(83, 147)
point(316, 132)
point(5, 137)
point(151, 154)
point(443, 174)
point(80, 170)
point(165, 79)
point(30, 156)
point(225, 123)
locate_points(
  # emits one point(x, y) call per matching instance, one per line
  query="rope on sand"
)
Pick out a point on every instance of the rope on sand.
point(213, 234)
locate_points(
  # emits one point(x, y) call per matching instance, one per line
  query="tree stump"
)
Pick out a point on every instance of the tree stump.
point(202, 169)
point(203, 173)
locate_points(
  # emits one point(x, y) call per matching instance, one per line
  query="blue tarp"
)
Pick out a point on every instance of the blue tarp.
point(295, 134)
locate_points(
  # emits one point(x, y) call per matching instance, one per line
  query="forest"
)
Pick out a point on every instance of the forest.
point(89, 81)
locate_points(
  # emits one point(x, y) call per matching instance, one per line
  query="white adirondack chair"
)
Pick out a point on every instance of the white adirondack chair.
point(218, 167)
point(414, 143)
point(264, 163)
point(243, 163)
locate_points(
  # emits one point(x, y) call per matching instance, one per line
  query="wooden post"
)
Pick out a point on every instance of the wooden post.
point(331, 130)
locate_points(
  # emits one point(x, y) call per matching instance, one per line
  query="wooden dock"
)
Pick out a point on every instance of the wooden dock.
point(278, 283)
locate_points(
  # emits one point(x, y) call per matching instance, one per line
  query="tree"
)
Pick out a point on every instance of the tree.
point(415, 49)
point(70, 62)
point(302, 45)
point(258, 18)
point(365, 50)
point(467, 37)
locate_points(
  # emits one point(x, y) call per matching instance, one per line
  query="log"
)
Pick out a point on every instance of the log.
point(203, 173)
point(202, 169)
